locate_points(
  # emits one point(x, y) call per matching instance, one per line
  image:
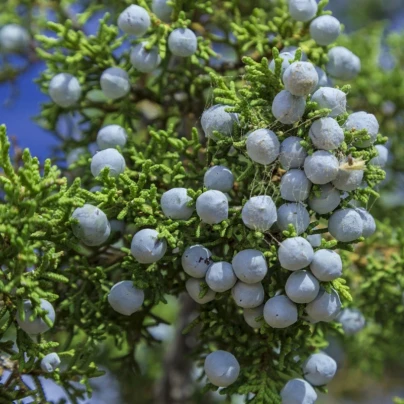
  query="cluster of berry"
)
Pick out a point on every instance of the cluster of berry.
point(333, 173)
point(65, 89)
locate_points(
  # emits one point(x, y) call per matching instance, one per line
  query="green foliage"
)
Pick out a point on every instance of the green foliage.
point(165, 150)
point(379, 90)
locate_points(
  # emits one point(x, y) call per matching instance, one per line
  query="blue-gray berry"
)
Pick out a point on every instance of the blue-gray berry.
point(93, 227)
point(326, 134)
point(219, 178)
point(250, 316)
point(321, 167)
point(352, 321)
point(110, 158)
point(295, 186)
point(193, 287)
point(14, 38)
point(330, 98)
point(217, 119)
point(212, 207)
point(328, 200)
point(174, 204)
point(248, 295)
point(343, 64)
point(162, 10)
point(295, 253)
point(293, 213)
point(322, 79)
point(300, 78)
point(286, 57)
point(259, 213)
point(314, 240)
point(125, 298)
point(287, 108)
point(325, 307)
point(111, 136)
point(146, 247)
point(182, 42)
point(250, 266)
point(65, 90)
point(221, 277)
point(381, 159)
point(292, 153)
point(326, 265)
point(302, 10)
point(292, 50)
point(134, 20)
point(221, 368)
point(144, 60)
point(263, 146)
point(50, 362)
point(348, 179)
point(319, 369)
point(302, 287)
point(280, 312)
point(114, 83)
point(298, 391)
point(325, 29)
point(363, 120)
point(345, 225)
point(37, 325)
point(369, 224)
point(196, 260)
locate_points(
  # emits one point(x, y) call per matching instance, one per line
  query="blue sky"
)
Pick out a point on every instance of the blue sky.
point(24, 106)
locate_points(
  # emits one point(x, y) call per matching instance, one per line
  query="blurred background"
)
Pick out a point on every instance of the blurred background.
point(356, 382)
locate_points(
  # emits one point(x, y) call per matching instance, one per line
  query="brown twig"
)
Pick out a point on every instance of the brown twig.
point(175, 387)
